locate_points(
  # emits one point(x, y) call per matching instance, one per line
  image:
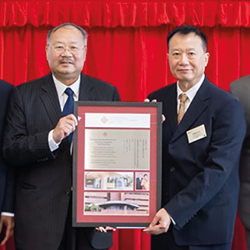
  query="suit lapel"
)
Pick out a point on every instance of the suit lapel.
point(86, 89)
point(170, 104)
point(50, 99)
point(196, 108)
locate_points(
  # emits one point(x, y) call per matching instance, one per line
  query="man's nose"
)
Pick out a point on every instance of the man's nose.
point(184, 58)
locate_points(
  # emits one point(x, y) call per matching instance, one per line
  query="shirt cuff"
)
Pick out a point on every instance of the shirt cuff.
point(7, 214)
point(172, 220)
point(52, 144)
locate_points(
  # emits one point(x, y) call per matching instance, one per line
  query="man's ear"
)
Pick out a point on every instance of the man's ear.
point(207, 55)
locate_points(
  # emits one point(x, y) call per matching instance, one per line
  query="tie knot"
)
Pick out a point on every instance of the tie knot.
point(183, 98)
point(69, 91)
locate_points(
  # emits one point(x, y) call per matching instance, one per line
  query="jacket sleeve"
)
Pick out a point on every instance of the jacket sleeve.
point(19, 146)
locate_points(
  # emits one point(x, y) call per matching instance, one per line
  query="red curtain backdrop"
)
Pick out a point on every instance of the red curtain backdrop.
point(127, 47)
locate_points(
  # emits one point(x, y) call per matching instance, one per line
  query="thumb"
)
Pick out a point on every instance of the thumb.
point(154, 222)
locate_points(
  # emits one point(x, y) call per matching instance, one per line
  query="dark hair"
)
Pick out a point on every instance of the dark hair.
point(185, 30)
point(84, 33)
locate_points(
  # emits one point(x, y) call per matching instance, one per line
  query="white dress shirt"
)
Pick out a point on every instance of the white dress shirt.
point(60, 88)
point(190, 93)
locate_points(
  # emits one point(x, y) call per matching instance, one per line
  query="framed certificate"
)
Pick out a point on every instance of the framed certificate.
point(116, 164)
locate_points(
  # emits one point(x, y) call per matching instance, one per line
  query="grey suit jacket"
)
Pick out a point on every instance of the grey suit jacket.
point(44, 178)
point(241, 89)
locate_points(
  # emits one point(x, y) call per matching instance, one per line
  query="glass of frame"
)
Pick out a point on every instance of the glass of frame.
point(116, 164)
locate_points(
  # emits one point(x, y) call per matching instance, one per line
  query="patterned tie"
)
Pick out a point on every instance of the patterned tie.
point(69, 107)
point(183, 98)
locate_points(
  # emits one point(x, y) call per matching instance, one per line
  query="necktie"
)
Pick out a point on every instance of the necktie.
point(69, 107)
point(183, 98)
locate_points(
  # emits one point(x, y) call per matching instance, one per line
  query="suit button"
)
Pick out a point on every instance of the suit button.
point(172, 169)
point(67, 193)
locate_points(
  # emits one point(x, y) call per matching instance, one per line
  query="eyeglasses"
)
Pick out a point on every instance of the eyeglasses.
point(72, 49)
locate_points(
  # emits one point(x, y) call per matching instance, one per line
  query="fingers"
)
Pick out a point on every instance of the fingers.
point(147, 100)
point(155, 221)
point(163, 118)
point(156, 230)
point(105, 229)
point(160, 223)
point(65, 126)
point(153, 227)
point(110, 228)
point(101, 229)
point(8, 221)
point(8, 234)
point(154, 100)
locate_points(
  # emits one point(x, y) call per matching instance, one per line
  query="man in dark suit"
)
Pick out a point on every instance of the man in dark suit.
point(241, 89)
point(203, 132)
point(36, 142)
point(6, 175)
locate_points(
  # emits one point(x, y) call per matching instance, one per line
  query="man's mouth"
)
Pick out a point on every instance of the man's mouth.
point(66, 62)
point(184, 70)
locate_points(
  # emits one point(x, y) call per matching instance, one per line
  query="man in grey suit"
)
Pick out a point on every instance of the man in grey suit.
point(241, 89)
point(36, 143)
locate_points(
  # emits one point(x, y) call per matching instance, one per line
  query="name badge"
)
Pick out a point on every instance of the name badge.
point(196, 134)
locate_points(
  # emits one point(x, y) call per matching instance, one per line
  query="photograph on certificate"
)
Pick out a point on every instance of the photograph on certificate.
point(142, 181)
point(108, 180)
point(116, 203)
point(107, 149)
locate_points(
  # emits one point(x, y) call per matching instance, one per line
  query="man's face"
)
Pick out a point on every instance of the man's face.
point(66, 54)
point(187, 59)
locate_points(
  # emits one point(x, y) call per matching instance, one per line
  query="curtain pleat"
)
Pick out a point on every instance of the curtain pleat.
point(127, 47)
point(112, 14)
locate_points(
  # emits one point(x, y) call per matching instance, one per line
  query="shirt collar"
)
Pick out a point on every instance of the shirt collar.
point(60, 87)
point(192, 91)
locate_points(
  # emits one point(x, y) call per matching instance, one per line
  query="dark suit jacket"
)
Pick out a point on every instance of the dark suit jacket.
point(44, 179)
point(6, 175)
point(241, 89)
point(200, 179)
